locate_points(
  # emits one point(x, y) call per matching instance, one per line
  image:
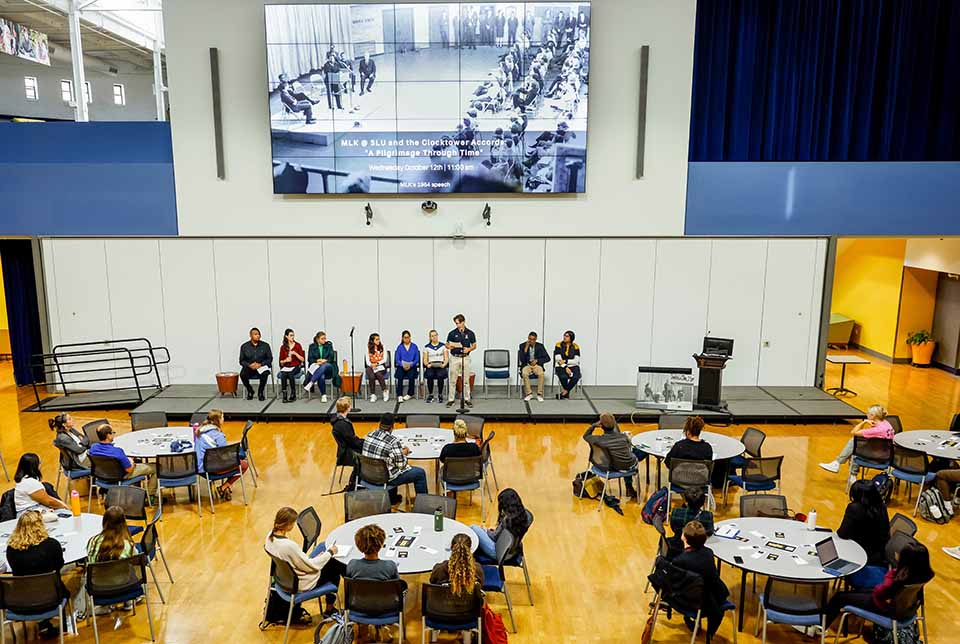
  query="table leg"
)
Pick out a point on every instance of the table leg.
point(842, 389)
point(743, 597)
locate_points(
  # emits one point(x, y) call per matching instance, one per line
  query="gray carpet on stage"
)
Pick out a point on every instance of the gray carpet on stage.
point(797, 393)
point(832, 409)
point(237, 406)
point(188, 391)
point(175, 406)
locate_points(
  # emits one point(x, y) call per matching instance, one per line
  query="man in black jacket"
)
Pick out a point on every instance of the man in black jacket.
point(533, 355)
point(296, 101)
point(622, 455)
point(349, 445)
point(254, 356)
point(368, 73)
point(698, 558)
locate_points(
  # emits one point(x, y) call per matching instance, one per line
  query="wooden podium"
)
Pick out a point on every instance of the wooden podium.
point(708, 389)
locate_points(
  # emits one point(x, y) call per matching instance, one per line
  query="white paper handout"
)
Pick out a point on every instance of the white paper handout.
point(285, 369)
point(728, 531)
point(313, 368)
point(263, 369)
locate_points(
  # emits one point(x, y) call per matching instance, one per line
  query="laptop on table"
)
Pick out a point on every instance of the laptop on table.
point(831, 562)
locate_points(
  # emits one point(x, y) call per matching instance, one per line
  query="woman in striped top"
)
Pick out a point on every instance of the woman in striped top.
point(435, 361)
point(376, 368)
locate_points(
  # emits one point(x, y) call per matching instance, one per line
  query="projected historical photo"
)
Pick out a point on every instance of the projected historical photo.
point(422, 98)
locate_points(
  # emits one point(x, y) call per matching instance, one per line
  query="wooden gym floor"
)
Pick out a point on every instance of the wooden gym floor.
point(588, 568)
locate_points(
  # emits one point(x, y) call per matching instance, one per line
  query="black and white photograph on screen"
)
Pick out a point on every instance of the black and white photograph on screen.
point(424, 98)
point(659, 389)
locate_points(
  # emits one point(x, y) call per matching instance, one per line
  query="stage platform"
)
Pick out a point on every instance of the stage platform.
point(745, 405)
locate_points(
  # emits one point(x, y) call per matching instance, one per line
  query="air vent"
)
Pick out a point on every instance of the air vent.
point(113, 70)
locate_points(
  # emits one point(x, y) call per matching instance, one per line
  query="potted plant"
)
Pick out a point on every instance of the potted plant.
point(921, 345)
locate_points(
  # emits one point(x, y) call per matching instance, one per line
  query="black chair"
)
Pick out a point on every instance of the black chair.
point(672, 421)
point(763, 505)
point(374, 473)
point(90, 429)
point(174, 471)
point(910, 465)
point(365, 503)
point(494, 579)
point(795, 603)
point(548, 375)
point(309, 523)
point(106, 472)
point(753, 440)
point(221, 463)
point(32, 598)
point(906, 605)
point(871, 453)
point(346, 457)
point(474, 425)
point(496, 366)
point(900, 523)
point(150, 546)
point(517, 559)
point(895, 544)
point(600, 464)
point(444, 611)
point(247, 453)
point(682, 591)
point(64, 470)
point(147, 419)
point(684, 473)
point(423, 420)
point(430, 503)
point(895, 423)
point(464, 474)
point(759, 475)
point(663, 546)
point(487, 453)
point(133, 502)
point(115, 582)
point(955, 423)
point(198, 417)
point(375, 603)
point(287, 585)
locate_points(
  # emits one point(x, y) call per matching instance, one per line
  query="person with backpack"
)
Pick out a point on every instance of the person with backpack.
point(692, 510)
point(698, 558)
point(876, 425)
point(913, 567)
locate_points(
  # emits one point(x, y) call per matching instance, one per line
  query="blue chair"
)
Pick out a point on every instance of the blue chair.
point(221, 463)
point(374, 603)
point(792, 603)
point(908, 609)
point(758, 475)
point(374, 474)
point(116, 582)
point(71, 475)
point(31, 598)
point(600, 465)
point(496, 366)
point(494, 579)
point(871, 454)
point(516, 559)
point(464, 474)
point(287, 586)
point(910, 465)
point(177, 470)
point(694, 594)
point(105, 473)
point(247, 453)
point(150, 546)
point(752, 439)
point(133, 502)
point(444, 611)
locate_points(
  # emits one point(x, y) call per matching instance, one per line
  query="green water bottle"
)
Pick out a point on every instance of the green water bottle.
point(438, 520)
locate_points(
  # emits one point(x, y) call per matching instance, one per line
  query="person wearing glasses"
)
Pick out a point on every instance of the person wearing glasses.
point(107, 449)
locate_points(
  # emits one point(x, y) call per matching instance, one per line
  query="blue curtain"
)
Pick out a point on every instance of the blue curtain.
point(826, 80)
point(23, 314)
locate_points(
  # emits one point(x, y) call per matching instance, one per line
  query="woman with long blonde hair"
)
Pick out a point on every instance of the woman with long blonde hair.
point(461, 570)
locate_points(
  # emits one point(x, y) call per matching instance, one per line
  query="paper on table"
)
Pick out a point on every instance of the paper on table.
point(313, 368)
point(344, 550)
point(758, 554)
point(759, 535)
point(263, 369)
point(800, 561)
point(391, 553)
point(429, 550)
point(728, 531)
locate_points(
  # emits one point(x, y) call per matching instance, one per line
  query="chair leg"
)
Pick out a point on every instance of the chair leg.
point(423, 630)
point(243, 489)
point(253, 465)
point(93, 618)
point(916, 508)
point(146, 600)
point(60, 611)
point(90, 495)
point(493, 471)
point(199, 504)
point(163, 558)
point(286, 630)
point(823, 631)
point(333, 478)
point(210, 496)
point(526, 575)
point(843, 618)
point(506, 594)
point(156, 583)
point(160, 498)
point(756, 625)
point(483, 500)
point(603, 494)
point(56, 486)
point(696, 628)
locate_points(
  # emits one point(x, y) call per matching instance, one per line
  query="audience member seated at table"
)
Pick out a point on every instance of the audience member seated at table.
point(407, 361)
point(691, 510)
point(291, 363)
point(382, 444)
point(30, 492)
point(112, 544)
point(376, 368)
point(698, 558)
point(875, 426)
point(210, 434)
point(461, 571)
point(31, 551)
point(436, 359)
point(533, 355)
point(106, 448)
point(691, 447)
point(70, 440)
point(948, 478)
point(315, 570)
point(913, 567)
point(622, 453)
point(460, 447)
point(865, 521)
point(321, 354)
point(369, 540)
point(345, 436)
point(566, 362)
point(511, 515)
point(256, 361)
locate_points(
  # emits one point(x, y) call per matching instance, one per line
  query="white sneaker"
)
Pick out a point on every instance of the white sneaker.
point(528, 398)
point(373, 397)
point(539, 398)
point(953, 552)
point(308, 387)
point(386, 396)
point(406, 398)
point(323, 398)
point(832, 466)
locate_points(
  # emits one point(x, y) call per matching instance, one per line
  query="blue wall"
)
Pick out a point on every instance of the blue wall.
point(94, 179)
point(772, 198)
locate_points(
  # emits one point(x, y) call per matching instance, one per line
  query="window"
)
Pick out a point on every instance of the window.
point(66, 91)
point(119, 95)
point(88, 92)
point(30, 88)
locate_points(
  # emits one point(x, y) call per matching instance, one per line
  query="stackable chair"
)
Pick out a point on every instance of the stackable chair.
point(496, 366)
point(444, 611)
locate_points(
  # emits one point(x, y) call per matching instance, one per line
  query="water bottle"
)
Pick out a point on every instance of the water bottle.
point(75, 503)
point(438, 520)
point(812, 520)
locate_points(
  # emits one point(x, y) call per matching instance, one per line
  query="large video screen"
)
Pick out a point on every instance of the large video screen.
point(426, 98)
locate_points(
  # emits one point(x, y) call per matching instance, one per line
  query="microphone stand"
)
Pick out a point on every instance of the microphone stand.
point(466, 382)
point(355, 382)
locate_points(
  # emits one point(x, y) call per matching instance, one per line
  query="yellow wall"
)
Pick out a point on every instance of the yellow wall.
point(918, 298)
point(866, 287)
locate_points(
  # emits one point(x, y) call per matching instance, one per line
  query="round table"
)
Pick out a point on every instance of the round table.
point(658, 443)
point(932, 442)
point(756, 557)
point(427, 550)
point(153, 442)
point(72, 532)
point(425, 444)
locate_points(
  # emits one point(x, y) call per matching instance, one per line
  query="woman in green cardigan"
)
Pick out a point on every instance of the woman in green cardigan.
point(321, 364)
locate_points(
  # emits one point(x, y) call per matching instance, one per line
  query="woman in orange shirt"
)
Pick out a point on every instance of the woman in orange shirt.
point(376, 368)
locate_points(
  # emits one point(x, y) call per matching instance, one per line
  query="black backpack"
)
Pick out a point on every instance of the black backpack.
point(681, 588)
point(884, 484)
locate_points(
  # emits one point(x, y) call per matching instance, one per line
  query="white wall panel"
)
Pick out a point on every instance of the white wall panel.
point(736, 303)
point(681, 289)
point(788, 293)
point(350, 278)
point(463, 286)
point(296, 289)
point(48, 250)
point(516, 292)
point(572, 288)
point(406, 290)
point(190, 311)
point(243, 297)
point(627, 269)
point(133, 267)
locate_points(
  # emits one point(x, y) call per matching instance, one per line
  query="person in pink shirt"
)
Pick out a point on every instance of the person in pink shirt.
point(875, 426)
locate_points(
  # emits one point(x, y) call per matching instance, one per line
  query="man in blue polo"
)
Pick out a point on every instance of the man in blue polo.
point(461, 342)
